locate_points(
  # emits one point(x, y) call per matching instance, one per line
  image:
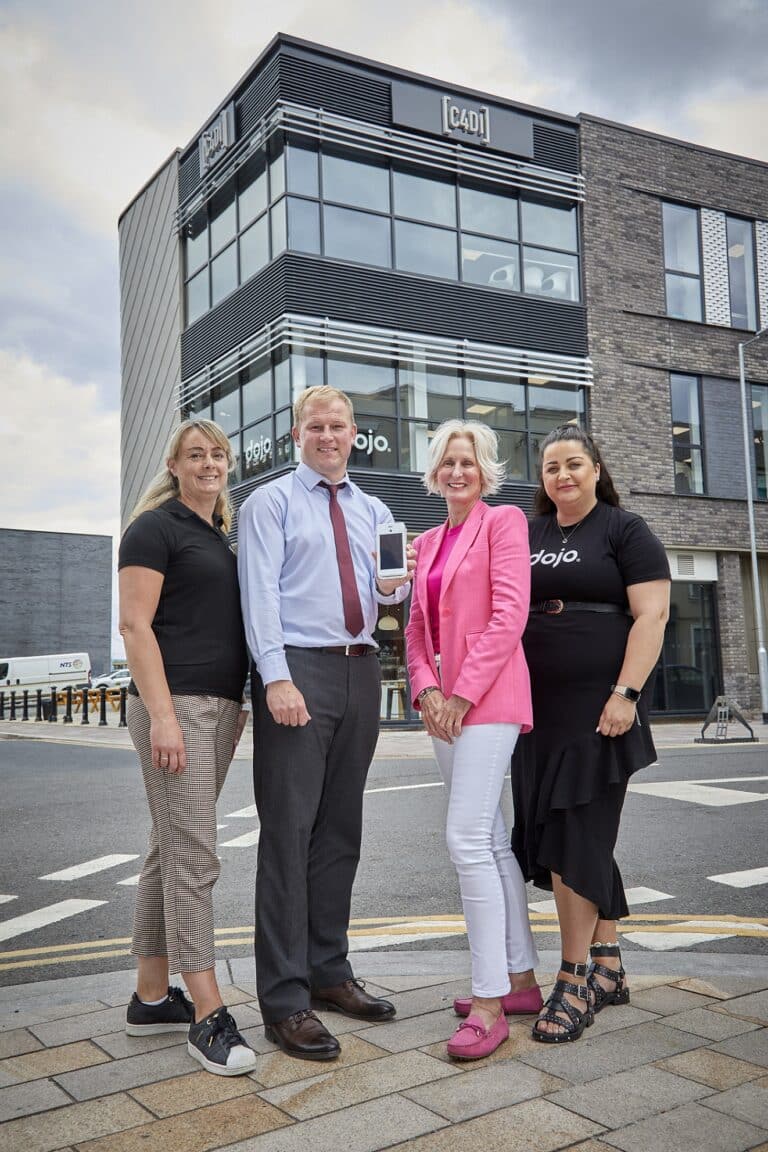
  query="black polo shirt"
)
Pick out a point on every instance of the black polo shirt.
point(198, 624)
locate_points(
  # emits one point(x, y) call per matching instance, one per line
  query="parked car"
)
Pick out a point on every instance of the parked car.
point(119, 679)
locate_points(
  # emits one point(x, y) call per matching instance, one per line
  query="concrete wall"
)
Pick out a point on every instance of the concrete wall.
point(56, 594)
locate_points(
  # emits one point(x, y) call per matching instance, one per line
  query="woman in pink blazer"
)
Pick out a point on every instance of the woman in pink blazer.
point(470, 680)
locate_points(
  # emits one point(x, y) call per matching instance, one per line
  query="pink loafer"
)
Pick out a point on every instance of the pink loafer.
point(472, 1040)
point(527, 1002)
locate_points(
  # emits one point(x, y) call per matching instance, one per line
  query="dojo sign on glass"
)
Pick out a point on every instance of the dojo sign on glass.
point(217, 138)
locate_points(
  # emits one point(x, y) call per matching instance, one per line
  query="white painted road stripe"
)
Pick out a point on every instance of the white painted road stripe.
point(246, 841)
point(44, 916)
point(5, 899)
point(248, 813)
point(698, 793)
point(747, 879)
point(703, 932)
point(89, 867)
point(633, 895)
point(131, 881)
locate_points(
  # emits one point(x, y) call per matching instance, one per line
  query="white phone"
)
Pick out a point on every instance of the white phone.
point(391, 559)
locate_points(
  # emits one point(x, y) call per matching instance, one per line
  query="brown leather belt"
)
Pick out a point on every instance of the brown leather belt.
point(337, 649)
point(556, 607)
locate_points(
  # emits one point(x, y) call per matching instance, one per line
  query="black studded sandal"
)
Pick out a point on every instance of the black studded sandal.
point(619, 994)
point(557, 1007)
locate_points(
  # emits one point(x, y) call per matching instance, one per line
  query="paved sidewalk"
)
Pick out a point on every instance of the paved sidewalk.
point(684, 1067)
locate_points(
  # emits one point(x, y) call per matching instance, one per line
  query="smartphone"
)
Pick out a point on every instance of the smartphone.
point(391, 560)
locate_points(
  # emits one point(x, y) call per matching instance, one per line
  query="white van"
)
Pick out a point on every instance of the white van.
point(32, 672)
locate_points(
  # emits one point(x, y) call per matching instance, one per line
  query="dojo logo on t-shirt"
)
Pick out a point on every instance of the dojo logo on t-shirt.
point(555, 558)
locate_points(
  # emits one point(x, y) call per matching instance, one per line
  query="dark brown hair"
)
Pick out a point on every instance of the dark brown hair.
point(605, 490)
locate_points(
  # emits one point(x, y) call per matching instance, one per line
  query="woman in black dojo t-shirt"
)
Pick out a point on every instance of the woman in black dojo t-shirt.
point(599, 604)
point(180, 619)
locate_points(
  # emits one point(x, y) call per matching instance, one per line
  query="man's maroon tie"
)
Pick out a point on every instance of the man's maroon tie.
point(353, 611)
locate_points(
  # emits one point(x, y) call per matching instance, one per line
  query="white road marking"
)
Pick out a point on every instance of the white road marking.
point(633, 895)
point(248, 840)
point(131, 881)
point(90, 866)
point(747, 879)
point(403, 787)
point(220, 826)
point(698, 793)
point(543, 906)
point(18, 925)
point(248, 813)
point(705, 931)
point(5, 899)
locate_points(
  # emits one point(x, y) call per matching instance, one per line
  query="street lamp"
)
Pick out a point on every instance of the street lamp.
point(762, 656)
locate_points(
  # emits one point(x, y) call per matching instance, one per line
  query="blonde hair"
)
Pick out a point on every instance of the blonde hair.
point(324, 394)
point(164, 486)
point(485, 443)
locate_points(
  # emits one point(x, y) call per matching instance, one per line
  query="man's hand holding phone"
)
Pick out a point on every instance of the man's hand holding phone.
point(395, 557)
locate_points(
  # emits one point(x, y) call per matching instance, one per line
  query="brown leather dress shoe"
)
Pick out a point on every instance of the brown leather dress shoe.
point(304, 1036)
point(351, 999)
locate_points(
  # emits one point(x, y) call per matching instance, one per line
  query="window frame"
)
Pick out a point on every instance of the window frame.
point(754, 285)
point(684, 275)
point(695, 446)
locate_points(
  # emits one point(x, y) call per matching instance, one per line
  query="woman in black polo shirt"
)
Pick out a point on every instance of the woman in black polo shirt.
point(180, 618)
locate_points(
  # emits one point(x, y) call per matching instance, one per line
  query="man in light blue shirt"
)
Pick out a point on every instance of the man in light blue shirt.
point(309, 596)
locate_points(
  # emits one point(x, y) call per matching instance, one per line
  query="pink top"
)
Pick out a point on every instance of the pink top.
point(435, 582)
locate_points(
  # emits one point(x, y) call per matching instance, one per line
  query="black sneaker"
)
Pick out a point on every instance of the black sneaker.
point(219, 1047)
point(175, 1014)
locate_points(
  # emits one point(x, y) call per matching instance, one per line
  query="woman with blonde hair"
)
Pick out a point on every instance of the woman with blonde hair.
point(183, 631)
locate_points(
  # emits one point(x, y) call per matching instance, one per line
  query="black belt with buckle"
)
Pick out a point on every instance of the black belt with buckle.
point(556, 607)
point(337, 649)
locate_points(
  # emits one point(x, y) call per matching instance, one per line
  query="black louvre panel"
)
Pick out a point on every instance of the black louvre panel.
point(554, 148)
point(343, 91)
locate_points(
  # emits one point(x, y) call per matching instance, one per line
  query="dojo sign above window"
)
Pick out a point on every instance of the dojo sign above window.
point(217, 138)
point(461, 118)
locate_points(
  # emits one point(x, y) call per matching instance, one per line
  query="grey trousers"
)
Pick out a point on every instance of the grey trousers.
point(308, 785)
point(174, 900)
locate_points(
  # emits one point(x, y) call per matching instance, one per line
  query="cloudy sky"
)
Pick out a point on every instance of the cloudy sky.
point(97, 93)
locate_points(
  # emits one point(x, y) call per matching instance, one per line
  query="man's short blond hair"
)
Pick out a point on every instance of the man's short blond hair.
point(323, 394)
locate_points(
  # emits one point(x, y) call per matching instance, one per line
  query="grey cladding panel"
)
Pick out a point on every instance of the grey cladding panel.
point(723, 440)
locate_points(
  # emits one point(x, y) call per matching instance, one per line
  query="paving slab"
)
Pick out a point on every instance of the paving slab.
point(34, 1013)
point(340, 1088)
point(196, 1090)
point(533, 1126)
point(120, 1045)
point(413, 1032)
point(275, 1068)
point(365, 1127)
point(77, 1122)
point(612, 1018)
point(712, 1068)
point(723, 987)
point(119, 1075)
point(519, 1041)
point(199, 1131)
point(50, 1061)
point(436, 998)
point(753, 1007)
point(712, 1024)
point(630, 1096)
point(24, 1099)
point(17, 1042)
point(668, 1000)
point(479, 1090)
point(691, 1128)
point(616, 1052)
point(81, 1027)
point(753, 1047)
point(748, 1102)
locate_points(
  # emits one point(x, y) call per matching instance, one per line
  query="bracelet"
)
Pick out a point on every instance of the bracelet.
point(426, 691)
point(631, 694)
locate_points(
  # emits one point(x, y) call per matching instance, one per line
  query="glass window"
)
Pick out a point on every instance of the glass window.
point(252, 183)
point(424, 198)
point(428, 394)
point(276, 173)
point(687, 434)
point(303, 225)
point(491, 262)
point(196, 242)
point(281, 371)
point(200, 407)
point(278, 228)
point(554, 274)
point(254, 249)
point(681, 238)
point(358, 236)
point(226, 404)
point(257, 449)
point(683, 297)
point(197, 296)
point(223, 217)
point(415, 436)
point(223, 274)
point(307, 372)
point(302, 169)
point(498, 402)
point(552, 406)
point(513, 451)
point(236, 474)
point(549, 224)
point(760, 436)
point(257, 391)
point(688, 676)
point(369, 384)
point(284, 447)
point(431, 251)
point(375, 445)
point(488, 212)
point(353, 182)
point(741, 272)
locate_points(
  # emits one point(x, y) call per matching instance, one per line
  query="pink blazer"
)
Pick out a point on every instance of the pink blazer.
point(483, 611)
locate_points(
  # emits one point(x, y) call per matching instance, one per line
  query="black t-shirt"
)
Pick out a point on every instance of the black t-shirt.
point(198, 624)
point(610, 549)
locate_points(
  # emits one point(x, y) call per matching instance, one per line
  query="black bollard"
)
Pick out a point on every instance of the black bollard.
point(103, 707)
point(53, 714)
point(123, 700)
point(85, 718)
point(68, 708)
point(2, 705)
point(25, 705)
point(12, 715)
point(39, 705)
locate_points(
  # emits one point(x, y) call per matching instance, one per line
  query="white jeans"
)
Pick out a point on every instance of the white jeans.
point(492, 887)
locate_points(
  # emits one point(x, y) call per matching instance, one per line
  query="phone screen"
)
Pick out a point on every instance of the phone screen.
point(391, 550)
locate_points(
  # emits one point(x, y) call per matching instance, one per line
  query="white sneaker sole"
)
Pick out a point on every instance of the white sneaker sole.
point(219, 1069)
point(154, 1029)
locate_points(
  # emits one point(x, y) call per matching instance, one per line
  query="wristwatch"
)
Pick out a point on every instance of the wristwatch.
point(426, 691)
point(628, 693)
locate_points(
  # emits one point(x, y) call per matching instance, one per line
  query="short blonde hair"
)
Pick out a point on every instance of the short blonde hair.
point(164, 486)
point(322, 393)
point(485, 443)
